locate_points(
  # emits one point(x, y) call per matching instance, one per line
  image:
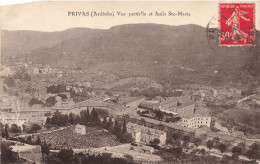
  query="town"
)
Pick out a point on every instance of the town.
point(63, 114)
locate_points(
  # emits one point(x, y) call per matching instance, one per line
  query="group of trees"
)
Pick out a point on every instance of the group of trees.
point(17, 129)
point(252, 153)
point(35, 101)
point(85, 118)
point(7, 155)
point(159, 115)
point(45, 148)
point(67, 156)
point(215, 142)
point(118, 128)
point(149, 93)
point(4, 129)
point(9, 81)
point(50, 101)
point(55, 89)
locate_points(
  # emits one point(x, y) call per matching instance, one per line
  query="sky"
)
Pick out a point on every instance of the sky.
point(53, 16)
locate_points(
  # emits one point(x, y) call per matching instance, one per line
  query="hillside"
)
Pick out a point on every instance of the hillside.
point(159, 51)
point(16, 43)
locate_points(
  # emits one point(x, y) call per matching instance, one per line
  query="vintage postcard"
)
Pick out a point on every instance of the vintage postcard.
point(115, 82)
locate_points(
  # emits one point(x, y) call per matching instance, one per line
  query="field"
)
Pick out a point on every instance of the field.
point(95, 137)
point(247, 120)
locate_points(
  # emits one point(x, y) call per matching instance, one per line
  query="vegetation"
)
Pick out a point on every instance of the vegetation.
point(7, 156)
point(55, 89)
point(210, 144)
point(50, 101)
point(9, 81)
point(5, 133)
point(15, 129)
point(35, 101)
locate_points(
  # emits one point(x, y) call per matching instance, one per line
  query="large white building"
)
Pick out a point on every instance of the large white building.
point(195, 121)
point(144, 134)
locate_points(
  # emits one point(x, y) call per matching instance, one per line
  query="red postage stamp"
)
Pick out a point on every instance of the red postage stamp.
point(237, 24)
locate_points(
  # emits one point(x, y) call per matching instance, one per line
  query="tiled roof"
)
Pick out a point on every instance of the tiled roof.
point(143, 129)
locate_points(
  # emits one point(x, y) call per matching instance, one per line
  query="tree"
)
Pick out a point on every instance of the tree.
point(186, 138)
point(83, 119)
point(50, 101)
point(104, 123)
point(197, 141)
point(48, 123)
point(254, 151)
point(66, 155)
point(28, 140)
point(155, 142)
point(45, 148)
point(176, 136)
point(38, 141)
point(127, 138)
point(94, 116)
point(109, 124)
point(159, 115)
point(177, 151)
point(35, 128)
point(222, 147)
point(210, 144)
point(124, 129)
point(15, 129)
point(35, 101)
point(63, 96)
point(9, 81)
point(64, 120)
point(117, 129)
point(72, 118)
point(236, 150)
point(225, 159)
point(7, 155)
point(216, 140)
point(142, 122)
point(77, 119)
point(5, 133)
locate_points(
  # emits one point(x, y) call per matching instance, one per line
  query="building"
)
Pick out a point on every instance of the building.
point(24, 117)
point(6, 102)
point(131, 102)
point(144, 134)
point(31, 153)
point(223, 129)
point(176, 106)
point(5, 71)
point(195, 121)
point(81, 129)
point(180, 105)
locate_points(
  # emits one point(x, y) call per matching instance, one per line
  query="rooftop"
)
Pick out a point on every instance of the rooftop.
point(190, 116)
point(127, 100)
point(144, 129)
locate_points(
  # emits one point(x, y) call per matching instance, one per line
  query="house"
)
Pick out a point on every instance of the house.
point(196, 120)
point(179, 105)
point(30, 153)
point(81, 129)
point(223, 129)
point(5, 71)
point(144, 134)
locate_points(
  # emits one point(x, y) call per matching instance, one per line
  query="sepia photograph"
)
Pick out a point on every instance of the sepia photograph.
point(134, 82)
